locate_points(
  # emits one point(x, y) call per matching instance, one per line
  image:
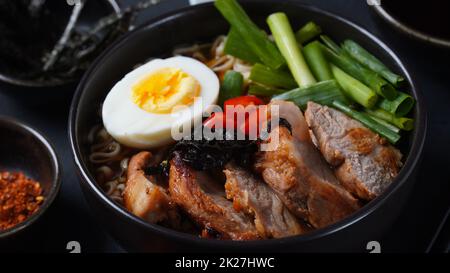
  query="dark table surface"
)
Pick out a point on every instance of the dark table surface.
point(69, 218)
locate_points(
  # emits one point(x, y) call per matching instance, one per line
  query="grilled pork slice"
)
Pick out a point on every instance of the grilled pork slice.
point(303, 181)
point(365, 164)
point(255, 198)
point(295, 170)
point(204, 200)
point(143, 197)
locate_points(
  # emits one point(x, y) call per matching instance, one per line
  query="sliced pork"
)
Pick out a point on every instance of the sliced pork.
point(254, 197)
point(143, 197)
point(365, 163)
point(295, 170)
point(203, 199)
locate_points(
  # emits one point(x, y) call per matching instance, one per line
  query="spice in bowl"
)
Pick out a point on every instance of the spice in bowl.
point(20, 197)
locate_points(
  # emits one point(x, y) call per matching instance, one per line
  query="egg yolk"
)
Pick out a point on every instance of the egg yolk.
point(164, 89)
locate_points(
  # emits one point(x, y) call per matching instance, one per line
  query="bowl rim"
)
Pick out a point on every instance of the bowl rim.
point(411, 162)
point(56, 174)
point(16, 81)
point(412, 32)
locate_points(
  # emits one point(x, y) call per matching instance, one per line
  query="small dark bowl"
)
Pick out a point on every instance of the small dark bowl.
point(89, 15)
point(199, 24)
point(57, 92)
point(24, 149)
point(392, 20)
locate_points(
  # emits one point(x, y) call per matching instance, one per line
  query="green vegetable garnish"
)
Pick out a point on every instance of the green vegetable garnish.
point(403, 123)
point(317, 62)
point(365, 119)
point(232, 86)
point(308, 32)
point(354, 89)
point(322, 92)
point(365, 75)
point(252, 36)
point(400, 106)
point(364, 57)
point(271, 77)
point(286, 42)
point(235, 46)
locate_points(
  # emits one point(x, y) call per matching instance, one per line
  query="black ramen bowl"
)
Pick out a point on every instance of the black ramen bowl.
point(24, 149)
point(203, 23)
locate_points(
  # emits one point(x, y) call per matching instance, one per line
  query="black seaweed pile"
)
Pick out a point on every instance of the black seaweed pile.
point(206, 154)
point(213, 154)
point(33, 44)
point(26, 35)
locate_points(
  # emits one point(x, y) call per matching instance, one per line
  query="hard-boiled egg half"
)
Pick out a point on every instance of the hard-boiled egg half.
point(137, 112)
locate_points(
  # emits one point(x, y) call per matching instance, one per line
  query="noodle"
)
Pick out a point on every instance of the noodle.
point(217, 48)
point(124, 164)
point(222, 64)
point(114, 188)
point(92, 134)
point(109, 153)
point(110, 187)
point(244, 68)
point(110, 163)
point(120, 187)
point(199, 56)
point(104, 173)
point(117, 198)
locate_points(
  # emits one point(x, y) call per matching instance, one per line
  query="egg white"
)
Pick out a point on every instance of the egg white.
point(130, 125)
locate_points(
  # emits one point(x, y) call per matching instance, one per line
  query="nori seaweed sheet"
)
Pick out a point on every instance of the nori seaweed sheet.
point(29, 34)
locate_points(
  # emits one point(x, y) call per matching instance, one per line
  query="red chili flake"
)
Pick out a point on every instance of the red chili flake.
point(20, 197)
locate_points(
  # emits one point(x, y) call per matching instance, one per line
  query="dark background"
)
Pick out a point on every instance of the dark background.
point(69, 218)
